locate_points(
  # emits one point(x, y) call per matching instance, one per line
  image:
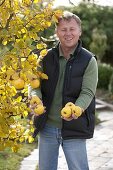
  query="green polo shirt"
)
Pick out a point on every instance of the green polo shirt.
point(54, 116)
point(88, 90)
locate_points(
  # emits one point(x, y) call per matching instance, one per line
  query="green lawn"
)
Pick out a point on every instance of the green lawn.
point(11, 161)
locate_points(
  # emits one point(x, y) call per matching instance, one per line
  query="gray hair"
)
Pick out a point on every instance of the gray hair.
point(67, 16)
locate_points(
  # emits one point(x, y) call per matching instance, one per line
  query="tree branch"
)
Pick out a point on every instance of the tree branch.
point(8, 21)
point(71, 2)
point(2, 3)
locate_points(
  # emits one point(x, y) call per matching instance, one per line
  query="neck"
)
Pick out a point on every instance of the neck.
point(66, 51)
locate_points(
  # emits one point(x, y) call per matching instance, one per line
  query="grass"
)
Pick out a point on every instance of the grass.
point(37, 168)
point(12, 161)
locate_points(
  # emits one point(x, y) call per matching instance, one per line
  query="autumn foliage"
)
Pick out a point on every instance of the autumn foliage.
point(21, 22)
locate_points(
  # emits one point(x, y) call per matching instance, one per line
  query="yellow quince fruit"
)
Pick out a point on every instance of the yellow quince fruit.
point(39, 110)
point(35, 100)
point(35, 83)
point(18, 83)
point(76, 110)
point(70, 104)
point(66, 112)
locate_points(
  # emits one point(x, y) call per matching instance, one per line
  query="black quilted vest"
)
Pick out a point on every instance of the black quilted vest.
point(83, 127)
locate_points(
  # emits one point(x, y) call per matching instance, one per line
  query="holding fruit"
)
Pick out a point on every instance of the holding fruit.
point(35, 100)
point(71, 109)
point(39, 109)
point(77, 111)
point(37, 105)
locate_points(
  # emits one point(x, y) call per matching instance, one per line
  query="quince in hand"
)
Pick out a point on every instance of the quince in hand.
point(35, 100)
point(39, 109)
point(76, 110)
point(35, 83)
point(66, 112)
point(70, 104)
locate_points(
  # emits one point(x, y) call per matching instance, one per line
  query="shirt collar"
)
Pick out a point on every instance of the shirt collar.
point(71, 53)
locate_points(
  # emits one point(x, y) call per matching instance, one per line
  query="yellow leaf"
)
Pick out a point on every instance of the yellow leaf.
point(23, 59)
point(48, 24)
point(3, 68)
point(40, 46)
point(58, 13)
point(4, 42)
point(21, 139)
point(30, 139)
point(44, 76)
point(43, 52)
point(32, 130)
point(36, 1)
point(25, 113)
point(19, 99)
point(23, 30)
point(15, 148)
point(31, 122)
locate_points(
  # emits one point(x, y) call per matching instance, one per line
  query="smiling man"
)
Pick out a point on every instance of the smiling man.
point(68, 32)
point(73, 76)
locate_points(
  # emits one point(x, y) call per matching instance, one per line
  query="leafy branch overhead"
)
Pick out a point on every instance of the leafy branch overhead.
point(21, 22)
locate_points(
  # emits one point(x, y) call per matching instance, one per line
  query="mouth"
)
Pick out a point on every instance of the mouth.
point(68, 39)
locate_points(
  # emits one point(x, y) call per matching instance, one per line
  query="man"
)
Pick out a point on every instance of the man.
point(73, 75)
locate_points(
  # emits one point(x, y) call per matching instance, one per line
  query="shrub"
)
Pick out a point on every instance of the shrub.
point(104, 74)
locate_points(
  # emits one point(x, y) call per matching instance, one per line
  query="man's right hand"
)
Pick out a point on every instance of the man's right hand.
point(36, 106)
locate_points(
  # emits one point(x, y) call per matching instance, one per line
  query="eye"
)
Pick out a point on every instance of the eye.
point(63, 30)
point(72, 29)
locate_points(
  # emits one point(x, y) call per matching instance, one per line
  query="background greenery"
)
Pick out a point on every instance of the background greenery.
point(97, 32)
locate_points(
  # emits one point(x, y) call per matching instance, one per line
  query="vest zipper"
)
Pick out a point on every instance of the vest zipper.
point(69, 76)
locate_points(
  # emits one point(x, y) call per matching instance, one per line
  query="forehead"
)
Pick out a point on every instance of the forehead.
point(68, 22)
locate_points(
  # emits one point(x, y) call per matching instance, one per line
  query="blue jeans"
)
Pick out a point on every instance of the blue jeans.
point(74, 150)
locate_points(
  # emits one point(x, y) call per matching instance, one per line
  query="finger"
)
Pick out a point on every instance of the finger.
point(29, 97)
point(67, 119)
point(33, 106)
point(74, 116)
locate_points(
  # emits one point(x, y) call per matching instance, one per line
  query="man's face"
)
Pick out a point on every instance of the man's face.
point(68, 32)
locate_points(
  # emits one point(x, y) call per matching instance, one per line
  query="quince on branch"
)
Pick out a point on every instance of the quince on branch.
point(18, 83)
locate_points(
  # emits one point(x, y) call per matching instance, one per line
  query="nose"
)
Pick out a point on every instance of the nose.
point(68, 32)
